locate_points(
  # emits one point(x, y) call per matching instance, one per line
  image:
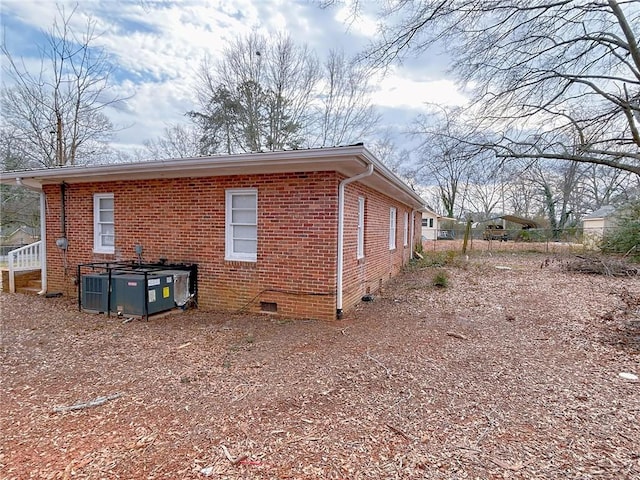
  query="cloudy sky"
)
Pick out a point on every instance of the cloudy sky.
point(157, 46)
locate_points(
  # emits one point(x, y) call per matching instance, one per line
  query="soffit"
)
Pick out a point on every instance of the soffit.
point(348, 161)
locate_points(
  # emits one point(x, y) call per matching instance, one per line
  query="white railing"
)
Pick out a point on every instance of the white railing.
point(24, 258)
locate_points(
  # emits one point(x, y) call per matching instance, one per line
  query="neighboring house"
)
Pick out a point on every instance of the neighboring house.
point(596, 224)
point(18, 236)
point(305, 233)
point(12, 237)
point(432, 226)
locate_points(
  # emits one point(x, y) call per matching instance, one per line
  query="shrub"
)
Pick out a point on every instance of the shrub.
point(436, 259)
point(441, 279)
point(625, 237)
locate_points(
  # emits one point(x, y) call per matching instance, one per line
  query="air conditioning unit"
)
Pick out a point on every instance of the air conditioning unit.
point(95, 292)
point(136, 289)
point(181, 280)
point(141, 294)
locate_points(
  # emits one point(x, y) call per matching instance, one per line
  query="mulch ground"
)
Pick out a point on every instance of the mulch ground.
point(512, 371)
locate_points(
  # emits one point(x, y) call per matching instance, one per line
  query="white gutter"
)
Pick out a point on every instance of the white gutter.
point(43, 234)
point(345, 160)
point(340, 265)
point(412, 233)
point(43, 244)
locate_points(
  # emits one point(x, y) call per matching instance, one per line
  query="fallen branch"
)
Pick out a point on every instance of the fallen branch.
point(91, 403)
point(230, 458)
point(306, 439)
point(506, 465)
point(400, 432)
point(470, 449)
point(379, 363)
point(610, 267)
point(457, 335)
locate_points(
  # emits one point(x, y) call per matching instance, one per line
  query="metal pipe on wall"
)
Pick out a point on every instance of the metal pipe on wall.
point(340, 264)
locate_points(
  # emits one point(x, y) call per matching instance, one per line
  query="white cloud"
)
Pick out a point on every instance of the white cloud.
point(398, 91)
point(358, 21)
point(158, 47)
point(178, 39)
point(153, 106)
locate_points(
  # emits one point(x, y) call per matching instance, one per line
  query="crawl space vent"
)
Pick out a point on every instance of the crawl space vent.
point(268, 306)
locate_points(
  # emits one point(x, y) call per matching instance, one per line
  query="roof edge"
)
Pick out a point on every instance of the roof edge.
point(326, 158)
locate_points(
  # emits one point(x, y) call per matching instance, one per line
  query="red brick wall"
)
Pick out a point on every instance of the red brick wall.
point(380, 263)
point(183, 220)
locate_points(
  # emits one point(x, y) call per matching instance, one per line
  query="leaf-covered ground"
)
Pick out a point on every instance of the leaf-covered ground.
point(512, 371)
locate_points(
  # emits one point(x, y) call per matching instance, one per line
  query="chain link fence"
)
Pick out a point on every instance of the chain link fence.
point(545, 240)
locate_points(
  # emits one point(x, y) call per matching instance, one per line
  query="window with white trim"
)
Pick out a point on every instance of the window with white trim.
point(412, 231)
point(103, 223)
point(241, 228)
point(405, 236)
point(360, 248)
point(392, 228)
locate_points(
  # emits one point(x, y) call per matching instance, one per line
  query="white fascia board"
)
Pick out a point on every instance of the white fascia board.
point(267, 162)
point(348, 161)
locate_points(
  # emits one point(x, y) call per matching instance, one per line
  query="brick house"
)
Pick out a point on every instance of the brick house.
point(306, 233)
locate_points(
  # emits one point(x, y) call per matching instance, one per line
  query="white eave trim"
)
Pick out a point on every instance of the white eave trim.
point(346, 160)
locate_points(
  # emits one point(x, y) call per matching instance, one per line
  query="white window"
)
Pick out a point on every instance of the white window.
point(392, 228)
point(103, 223)
point(412, 232)
point(241, 225)
point(360, 253)
point(405, 236)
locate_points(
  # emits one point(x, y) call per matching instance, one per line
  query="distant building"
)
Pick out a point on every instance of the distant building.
point(432, 226)
point(17, 236)
point(596, 224)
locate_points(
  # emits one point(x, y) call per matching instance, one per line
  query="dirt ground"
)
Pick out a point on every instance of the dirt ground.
point(512, 371)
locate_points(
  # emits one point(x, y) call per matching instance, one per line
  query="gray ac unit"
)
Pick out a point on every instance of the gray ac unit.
point(95, 292)
point(132, 297)
point(181, 294)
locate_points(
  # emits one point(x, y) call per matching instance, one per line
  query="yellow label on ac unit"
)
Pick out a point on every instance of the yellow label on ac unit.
point(165, 292)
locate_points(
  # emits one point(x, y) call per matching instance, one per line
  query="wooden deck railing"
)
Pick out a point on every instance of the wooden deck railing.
point(22, 259)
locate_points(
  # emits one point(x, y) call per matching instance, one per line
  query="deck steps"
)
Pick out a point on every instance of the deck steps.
point(33, 287)
point(26, 282)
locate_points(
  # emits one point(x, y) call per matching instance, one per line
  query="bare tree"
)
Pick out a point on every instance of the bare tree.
point(521, 196)
point(540, 71)
point(292, 75)
point(177, 141)
point(257, 97)
point(449, 157)
point(384, 147)
point(19, 206)
point(606, 186)
point(441, 164)
point(558, 186)
point(485, 194)
point(57, 114)
point(345, 114)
